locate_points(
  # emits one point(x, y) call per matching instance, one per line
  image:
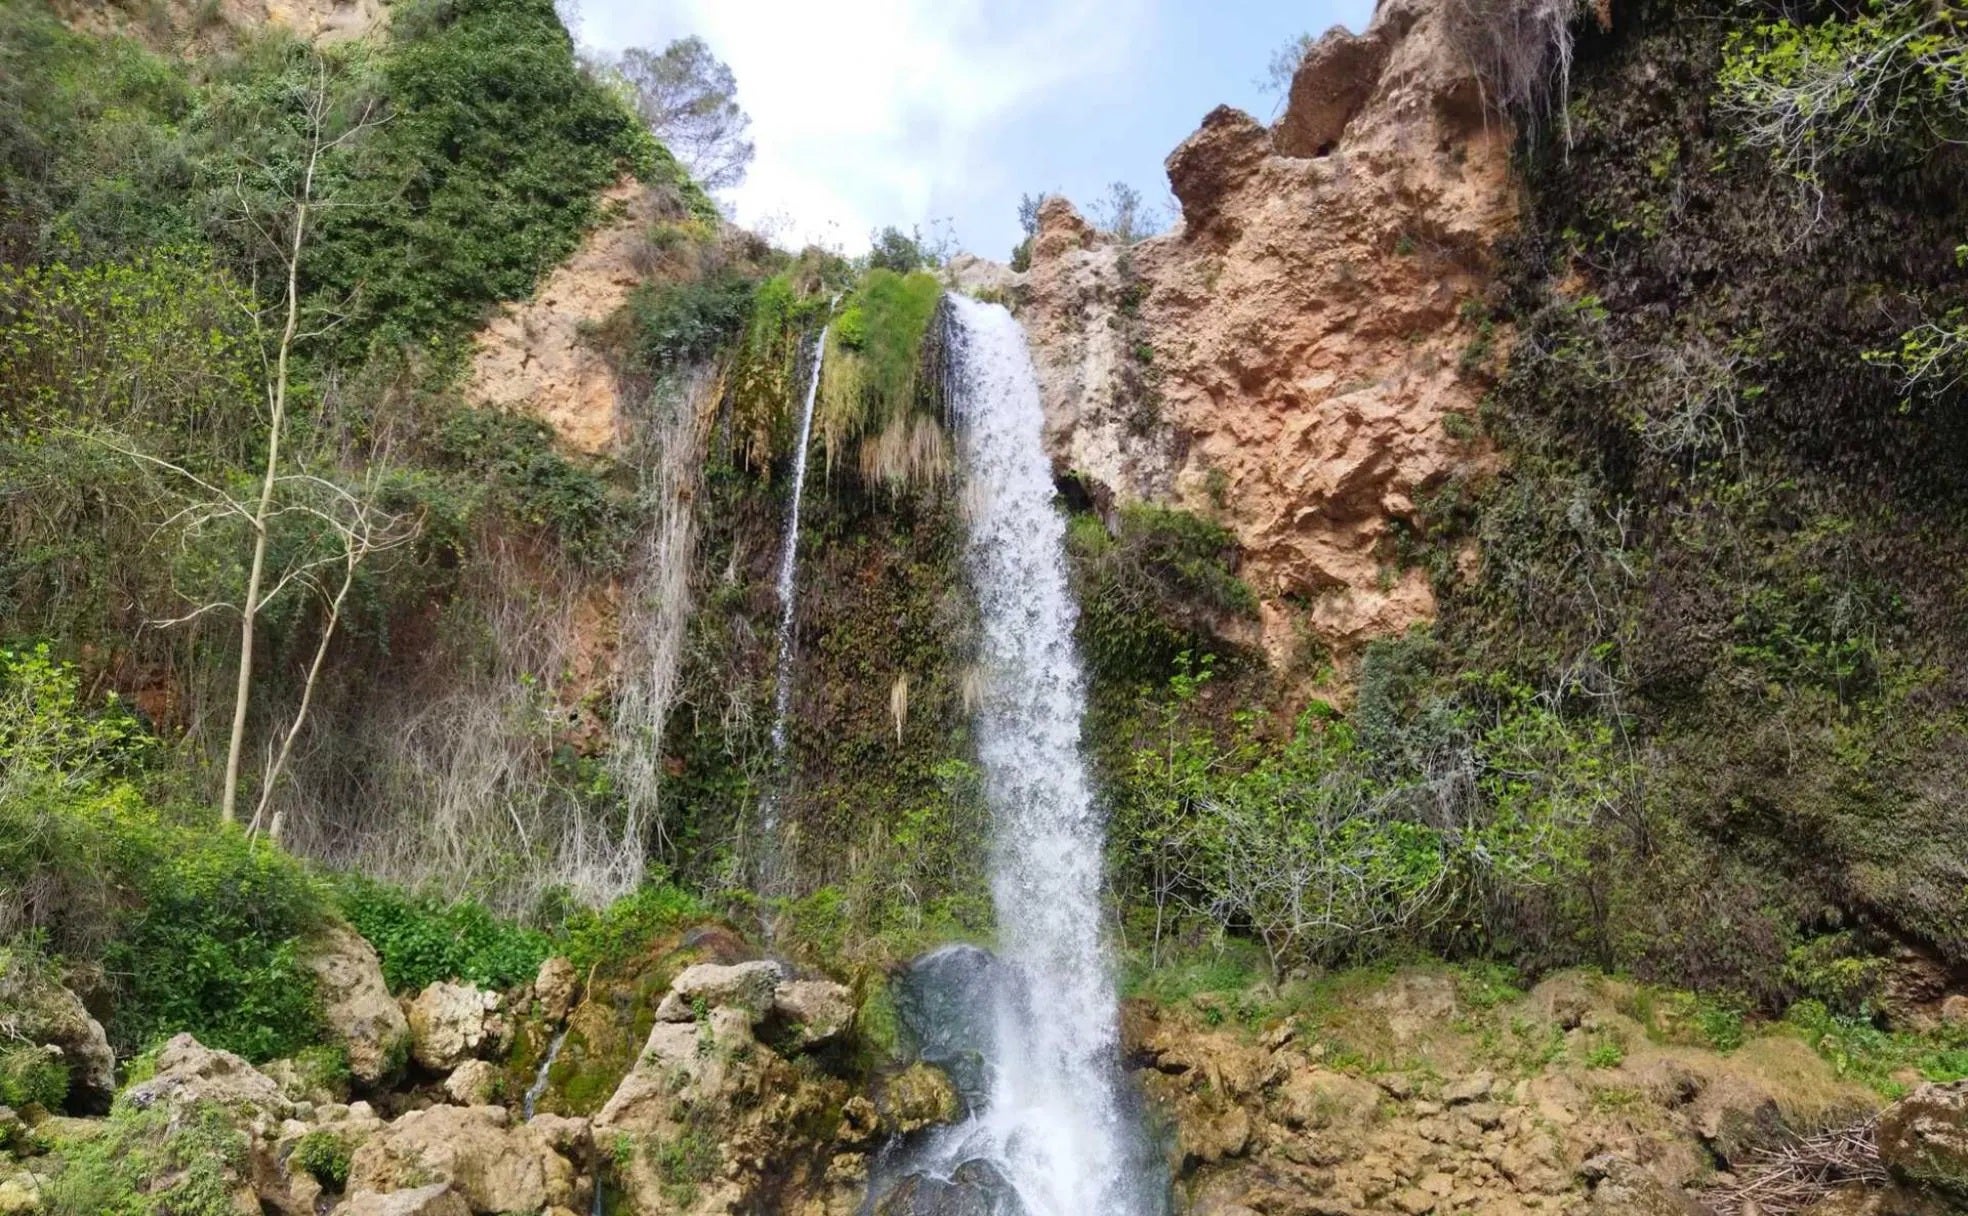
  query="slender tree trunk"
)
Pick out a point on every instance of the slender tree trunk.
point(250, 611)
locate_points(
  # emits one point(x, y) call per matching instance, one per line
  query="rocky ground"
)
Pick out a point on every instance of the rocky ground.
point(756, 1089)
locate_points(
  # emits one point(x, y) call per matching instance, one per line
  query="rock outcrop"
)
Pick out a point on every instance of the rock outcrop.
point(713, 1120)
point(356, 1004)
point(451, 1023)
point(536, 356)
point(191, 1074)
point(494, 1164)
point(1303, 356)
point(1923, 1138)
point(35, 1008)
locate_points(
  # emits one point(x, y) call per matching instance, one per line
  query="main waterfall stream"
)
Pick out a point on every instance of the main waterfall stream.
point(1054, 1124)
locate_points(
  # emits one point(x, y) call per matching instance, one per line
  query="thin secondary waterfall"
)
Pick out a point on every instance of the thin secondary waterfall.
point(1054, 1124)
point(782, 693)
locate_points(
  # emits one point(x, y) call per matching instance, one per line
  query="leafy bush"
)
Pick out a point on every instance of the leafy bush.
point(197, 924)
point(485, 175)
point(874, 353)
point(1153, 588)
point(527, 479)
point(147, 1163)
point(326, 1155)
point(676, 324)
point(212, 947)
point(423, 939)
point(30, 1075)
point(621, 931)
point(1891, 79)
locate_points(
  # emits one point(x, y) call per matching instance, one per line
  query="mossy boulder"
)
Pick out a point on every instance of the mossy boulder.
point(40, 1014)
point(1923, 1138)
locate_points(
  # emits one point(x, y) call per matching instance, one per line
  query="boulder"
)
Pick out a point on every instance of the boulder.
point(813, 1012)
point(1626, 1189)
point(975, 1188)
point(451, 1023)
point(917, 1097)
point(20, 1193)
point(1954, 1010)
point(356, 1004)
point(1923, 1138)
point(36, 1008)
point(437, 1199)
point(190, 1073)
point(746, 986)
point(945, 1001)
point(474, 1083)
point(556, 987)
point(477, 1151)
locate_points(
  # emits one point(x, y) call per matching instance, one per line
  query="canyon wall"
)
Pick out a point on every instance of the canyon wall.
point(1301, 357)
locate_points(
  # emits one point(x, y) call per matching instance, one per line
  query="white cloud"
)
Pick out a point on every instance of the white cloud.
point(869, 112)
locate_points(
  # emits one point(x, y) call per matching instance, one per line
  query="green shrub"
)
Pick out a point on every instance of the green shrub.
point(485, 175)
point(325, 1155)
point(624, 929)
point(676, 324)
point(1152, 589)
point(525, 478)
point(30, 1075)
point(212, 945)
point(423, 939)
point(874, 354)
point(147, 1163)
point(197, 924)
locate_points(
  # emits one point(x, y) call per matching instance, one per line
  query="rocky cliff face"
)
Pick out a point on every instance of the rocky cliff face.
point(536, 356)
point(1299, 356)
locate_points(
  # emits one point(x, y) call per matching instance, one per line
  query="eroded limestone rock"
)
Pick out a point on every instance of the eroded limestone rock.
point(190, 1073)
point(356, 1003)
point(451, 1023)
point(35, 1008)
point(745, 986)
point(478, 1152)
point(1923, 1138)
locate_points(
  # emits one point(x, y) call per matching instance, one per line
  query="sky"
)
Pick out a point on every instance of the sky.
point(941, 113)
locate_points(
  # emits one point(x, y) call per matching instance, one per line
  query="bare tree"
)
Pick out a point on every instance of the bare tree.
point(361, 530)
point(688, 98)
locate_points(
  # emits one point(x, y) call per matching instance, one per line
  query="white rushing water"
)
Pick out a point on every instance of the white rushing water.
point(1054, 1123)
point(788, 585)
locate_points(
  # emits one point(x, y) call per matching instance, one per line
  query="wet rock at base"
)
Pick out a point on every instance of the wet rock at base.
point(436, 1200)
point(473, 1083)
point(556, 987)
point(812, 1012)
point(494, 1165)
point(945, 1002)
point(975, 1188)
point(746, 986)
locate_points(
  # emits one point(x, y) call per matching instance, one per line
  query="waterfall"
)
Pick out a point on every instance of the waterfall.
point(1055, 1125)
point(531, 1098)
point(788, 585)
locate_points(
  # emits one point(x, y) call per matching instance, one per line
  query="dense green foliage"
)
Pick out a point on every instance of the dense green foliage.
point(1722, 530)
point(422, 939)
point(197, 926)
point(148, 1163)
point(1159, 584)
point(31, 1076)
point(484, 175)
